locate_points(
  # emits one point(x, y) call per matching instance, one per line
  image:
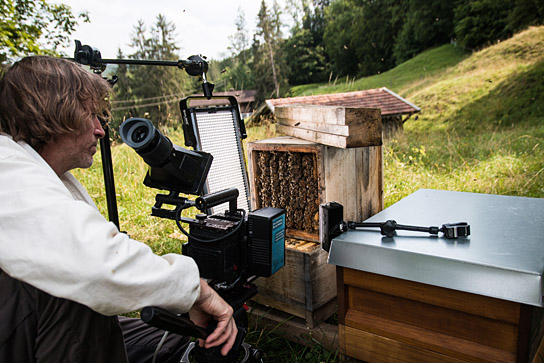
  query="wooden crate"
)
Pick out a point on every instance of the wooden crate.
point(304, 287)
point(299, 175)
point(352, 177)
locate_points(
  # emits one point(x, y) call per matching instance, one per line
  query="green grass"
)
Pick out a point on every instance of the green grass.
point(481, 124)
point(414, 73)
point(481, 129)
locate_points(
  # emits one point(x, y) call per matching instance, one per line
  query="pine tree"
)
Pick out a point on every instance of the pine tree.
point(266, 43)
point(237, 73)
point(153, 90)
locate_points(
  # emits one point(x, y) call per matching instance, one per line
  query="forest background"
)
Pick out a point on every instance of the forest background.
point(328, 41)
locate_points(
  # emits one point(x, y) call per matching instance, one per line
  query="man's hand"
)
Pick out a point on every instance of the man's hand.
point(211, 305)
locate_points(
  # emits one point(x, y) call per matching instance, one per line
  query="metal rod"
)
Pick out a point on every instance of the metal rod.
point(180, 63)
point(107, 168)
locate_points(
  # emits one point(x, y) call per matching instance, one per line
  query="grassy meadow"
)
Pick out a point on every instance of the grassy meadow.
point(481, 126)
point(480, 129)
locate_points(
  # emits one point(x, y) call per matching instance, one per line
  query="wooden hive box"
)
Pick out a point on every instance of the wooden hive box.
point(299, 175)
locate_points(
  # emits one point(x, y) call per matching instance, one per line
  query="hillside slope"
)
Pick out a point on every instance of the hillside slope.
point(481, 126)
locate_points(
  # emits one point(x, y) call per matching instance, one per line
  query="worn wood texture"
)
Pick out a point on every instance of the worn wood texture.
point(455, 300)
point(421, 322)
point(370, 347)
point(304, 287)
point(353, 178)
point(338, 126)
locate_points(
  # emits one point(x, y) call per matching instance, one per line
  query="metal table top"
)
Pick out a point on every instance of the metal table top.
point(502, 258)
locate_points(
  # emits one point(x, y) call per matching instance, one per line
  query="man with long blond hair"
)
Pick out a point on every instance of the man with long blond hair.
point(65, 271)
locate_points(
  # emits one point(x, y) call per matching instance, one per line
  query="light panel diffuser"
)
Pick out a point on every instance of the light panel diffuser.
point(217, 133)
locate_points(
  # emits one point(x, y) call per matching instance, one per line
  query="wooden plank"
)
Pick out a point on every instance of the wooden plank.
point(253, 186)
point(539, 354)
point(284, 143)
point(311, 317)
point(342, 296)
point(374, 348)
point(502, 310)
point(340, 130)
point(354, 178)
point(332, 115)
point(327, 115)
point(485, 331)
point(294, 233)
point(322, 138)
point(358, 136)
point(536, 344)
point(524, 329)
point(426, 340)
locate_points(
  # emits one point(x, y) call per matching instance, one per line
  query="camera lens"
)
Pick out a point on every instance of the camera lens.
point(139, 134)
point(149, 143)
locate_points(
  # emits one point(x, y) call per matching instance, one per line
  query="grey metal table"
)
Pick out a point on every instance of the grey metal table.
point(501, 261)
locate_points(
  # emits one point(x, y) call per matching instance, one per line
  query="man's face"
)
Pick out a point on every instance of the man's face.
point(77, 150)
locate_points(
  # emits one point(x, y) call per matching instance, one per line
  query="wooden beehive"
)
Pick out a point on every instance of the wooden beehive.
point(299, 175)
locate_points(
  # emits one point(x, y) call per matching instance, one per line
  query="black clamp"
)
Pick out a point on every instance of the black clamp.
point(455, 230)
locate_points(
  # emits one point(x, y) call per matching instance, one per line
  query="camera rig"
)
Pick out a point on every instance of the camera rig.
point(231, 248)
point(195, 65)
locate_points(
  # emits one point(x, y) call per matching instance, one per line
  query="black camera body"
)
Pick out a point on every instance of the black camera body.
point(231, 248)
point(171, 166)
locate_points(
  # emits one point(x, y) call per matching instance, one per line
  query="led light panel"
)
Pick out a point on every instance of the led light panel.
point(217, 132)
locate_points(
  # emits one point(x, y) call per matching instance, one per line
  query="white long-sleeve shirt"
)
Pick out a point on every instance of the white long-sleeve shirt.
point(53, 237)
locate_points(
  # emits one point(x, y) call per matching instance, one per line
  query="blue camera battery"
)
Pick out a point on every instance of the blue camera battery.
point(266, 244)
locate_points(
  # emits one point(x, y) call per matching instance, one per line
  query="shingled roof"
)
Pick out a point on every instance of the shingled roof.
point(390, 103)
